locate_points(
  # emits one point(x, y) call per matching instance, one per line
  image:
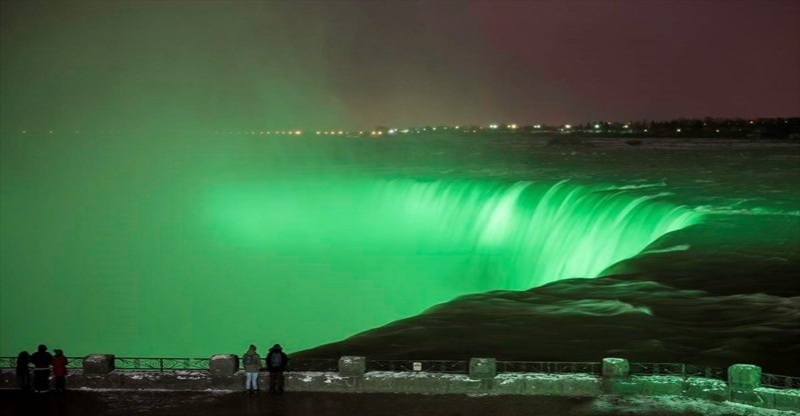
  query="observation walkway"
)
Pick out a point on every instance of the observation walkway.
point(562, 385)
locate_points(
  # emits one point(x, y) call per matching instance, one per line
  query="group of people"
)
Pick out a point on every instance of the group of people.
point(276, 361)
point(42, 362)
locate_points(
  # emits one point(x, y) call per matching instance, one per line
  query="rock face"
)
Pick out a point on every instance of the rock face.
point(223, 365)
point(97, 364)
point(557, 322)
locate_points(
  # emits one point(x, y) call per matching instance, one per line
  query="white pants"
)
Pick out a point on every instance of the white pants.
point(252, 380)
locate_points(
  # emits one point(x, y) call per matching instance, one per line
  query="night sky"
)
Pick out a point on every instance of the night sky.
point(70, 65)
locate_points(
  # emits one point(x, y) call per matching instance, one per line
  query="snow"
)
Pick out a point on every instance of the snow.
point(309, 376)
point(651, 404)
point(508, 377)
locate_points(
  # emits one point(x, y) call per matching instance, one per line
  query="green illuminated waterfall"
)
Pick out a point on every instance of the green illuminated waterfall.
point(517, 235)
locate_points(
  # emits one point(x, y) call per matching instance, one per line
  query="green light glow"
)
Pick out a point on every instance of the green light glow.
point(208, 264)
point(519, 235)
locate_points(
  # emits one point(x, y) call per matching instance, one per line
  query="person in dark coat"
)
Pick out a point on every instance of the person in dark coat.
point(276, 365)
point(24, 371)
point(60, 370)
point(41, 360)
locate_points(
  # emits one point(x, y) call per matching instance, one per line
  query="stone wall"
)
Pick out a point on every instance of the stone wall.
point(743, 386)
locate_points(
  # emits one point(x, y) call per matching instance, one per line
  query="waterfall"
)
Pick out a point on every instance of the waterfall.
point(532, 234)
point(517, 235)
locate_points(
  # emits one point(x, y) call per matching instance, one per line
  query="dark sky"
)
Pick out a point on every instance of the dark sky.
point(317, 65)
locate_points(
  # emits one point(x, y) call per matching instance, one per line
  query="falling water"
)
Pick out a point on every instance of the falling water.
point(532, 234)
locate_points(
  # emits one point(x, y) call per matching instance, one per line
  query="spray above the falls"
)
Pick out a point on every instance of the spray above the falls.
point(516, 236)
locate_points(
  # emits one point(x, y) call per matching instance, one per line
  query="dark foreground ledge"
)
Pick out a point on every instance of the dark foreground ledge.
point(216, 403)
point(511, 384)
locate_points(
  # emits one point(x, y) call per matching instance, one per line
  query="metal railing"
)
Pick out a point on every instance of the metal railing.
point(313, 364)
point(161, 364)
point(678, 369)
point(11, 362)
point(430, 366)
point(780, 382)
point(548, 367)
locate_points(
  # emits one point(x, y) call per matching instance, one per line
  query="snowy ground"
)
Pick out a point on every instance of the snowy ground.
point(218, 402)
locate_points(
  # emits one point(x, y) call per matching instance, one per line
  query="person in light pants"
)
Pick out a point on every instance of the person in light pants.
point(252, 365)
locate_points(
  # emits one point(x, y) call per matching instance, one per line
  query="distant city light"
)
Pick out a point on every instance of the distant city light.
point(493, 126)
point(597, 126)
point(678, 130)
point(625, 126)
point(512, 126)
point(538, 126)
point(298, 132)
point(567, 126)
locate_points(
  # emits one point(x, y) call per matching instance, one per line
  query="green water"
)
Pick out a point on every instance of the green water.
point(140, 257)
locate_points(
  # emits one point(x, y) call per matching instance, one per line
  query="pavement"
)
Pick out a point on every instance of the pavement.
point(217, 403)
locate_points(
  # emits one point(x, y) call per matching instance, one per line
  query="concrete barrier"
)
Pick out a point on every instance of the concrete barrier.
point(223, 365)
point(743, 384)
point(97, 364)
point(482, 368)
point(616, 368)
point(351, 366)
point(705, 389)
point(744, 376)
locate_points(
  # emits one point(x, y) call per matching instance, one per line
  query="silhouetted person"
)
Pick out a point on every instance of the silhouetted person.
point(60, 370)
point(252, 365)
point(41, 360)
point(24, 371)
point(276, 364)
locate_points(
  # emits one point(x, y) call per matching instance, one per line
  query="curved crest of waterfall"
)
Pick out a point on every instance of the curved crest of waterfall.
point(532, 234)
point(518, 235)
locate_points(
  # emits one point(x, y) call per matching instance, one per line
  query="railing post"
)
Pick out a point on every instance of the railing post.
point(482, 368)
point(744, 376)
point(221, 365)
point(98, 364)
point(616, 368)
point(351, 366)
point(161, 365)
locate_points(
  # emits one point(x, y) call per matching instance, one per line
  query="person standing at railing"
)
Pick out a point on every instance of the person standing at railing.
point(60, 370)
point(24, 371)
point(41, 360)
point(276, 364)
point(252, 365)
